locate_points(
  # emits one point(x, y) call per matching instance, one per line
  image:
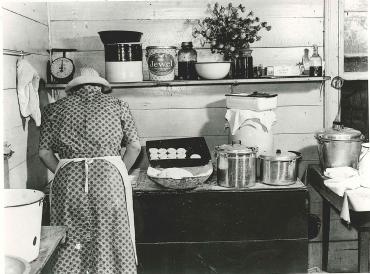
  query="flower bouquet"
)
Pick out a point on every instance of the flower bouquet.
point(229, 29)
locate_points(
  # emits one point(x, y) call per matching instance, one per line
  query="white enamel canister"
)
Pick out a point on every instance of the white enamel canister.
point(22, 222)
point(123, 62)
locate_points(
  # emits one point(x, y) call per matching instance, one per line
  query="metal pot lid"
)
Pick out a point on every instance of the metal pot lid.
point(236, 149)
point(343, 133)
point(281, 156)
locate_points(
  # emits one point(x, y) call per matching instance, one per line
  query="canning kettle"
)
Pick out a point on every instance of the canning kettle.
point(339, 146)
point(236, 165)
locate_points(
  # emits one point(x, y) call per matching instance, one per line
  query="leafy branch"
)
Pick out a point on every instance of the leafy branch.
point(229, 29)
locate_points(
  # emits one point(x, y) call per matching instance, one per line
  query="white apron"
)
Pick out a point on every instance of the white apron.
point(119, 164)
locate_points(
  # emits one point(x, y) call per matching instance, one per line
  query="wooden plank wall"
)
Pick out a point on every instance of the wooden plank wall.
point(25, 28)
point(199, 111)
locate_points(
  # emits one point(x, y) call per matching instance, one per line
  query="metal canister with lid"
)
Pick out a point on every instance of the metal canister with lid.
point(339, 146)
point(236, 165)
point(161, 62)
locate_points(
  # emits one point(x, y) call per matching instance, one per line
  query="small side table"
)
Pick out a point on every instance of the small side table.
point(359, 220)
point(51, 237)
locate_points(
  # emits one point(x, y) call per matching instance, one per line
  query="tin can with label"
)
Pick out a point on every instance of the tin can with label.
point(161, 62)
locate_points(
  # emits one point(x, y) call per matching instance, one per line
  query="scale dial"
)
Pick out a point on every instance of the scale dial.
point(62, 69)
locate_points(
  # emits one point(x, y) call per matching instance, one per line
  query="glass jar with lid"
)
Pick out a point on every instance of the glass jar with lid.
point(244, 65)
point(187, 56)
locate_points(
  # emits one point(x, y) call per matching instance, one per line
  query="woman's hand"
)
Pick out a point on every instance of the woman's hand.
point(48, 158)
point(132, 152)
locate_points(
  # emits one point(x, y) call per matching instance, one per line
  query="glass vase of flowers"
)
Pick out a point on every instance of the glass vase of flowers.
point(229, 30)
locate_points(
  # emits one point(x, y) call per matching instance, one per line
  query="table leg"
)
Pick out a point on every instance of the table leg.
point(325, 234)
point(363, 251)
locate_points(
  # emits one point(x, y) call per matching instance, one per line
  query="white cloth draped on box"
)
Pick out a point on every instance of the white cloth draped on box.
point(252, 128)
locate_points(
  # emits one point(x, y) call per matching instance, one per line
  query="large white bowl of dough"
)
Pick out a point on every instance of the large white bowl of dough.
point(180, 177)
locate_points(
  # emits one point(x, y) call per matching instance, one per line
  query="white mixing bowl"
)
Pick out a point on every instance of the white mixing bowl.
point(212, 70)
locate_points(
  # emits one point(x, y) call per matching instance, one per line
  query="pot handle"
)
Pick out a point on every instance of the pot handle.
point(299, 155)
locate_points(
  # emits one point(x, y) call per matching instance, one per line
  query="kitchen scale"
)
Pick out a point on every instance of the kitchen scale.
point(60, 70)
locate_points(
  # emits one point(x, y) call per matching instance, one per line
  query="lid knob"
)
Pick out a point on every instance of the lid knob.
point(236, 142)
point(337, 125)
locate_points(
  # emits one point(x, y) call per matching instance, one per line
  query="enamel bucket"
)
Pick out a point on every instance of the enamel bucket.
point(22, 222)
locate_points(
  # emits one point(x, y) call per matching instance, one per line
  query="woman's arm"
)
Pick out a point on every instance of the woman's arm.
point(48, 158)
point(132, 152)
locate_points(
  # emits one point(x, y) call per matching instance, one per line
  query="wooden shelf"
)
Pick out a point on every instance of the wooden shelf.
point(234, 82)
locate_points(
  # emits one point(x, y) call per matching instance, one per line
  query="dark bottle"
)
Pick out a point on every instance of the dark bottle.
point(244, 67)
point(187, 57)
point(315, 63)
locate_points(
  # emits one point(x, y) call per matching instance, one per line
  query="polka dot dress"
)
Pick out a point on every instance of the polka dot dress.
point(88, 123)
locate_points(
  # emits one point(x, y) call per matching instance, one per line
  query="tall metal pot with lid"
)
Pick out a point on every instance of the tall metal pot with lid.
point(236, 165)
point(339, 146)
point(280, 168)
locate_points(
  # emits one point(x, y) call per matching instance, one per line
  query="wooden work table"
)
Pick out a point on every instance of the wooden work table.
point(359, 220)
point(51, 236)
point(218, 230)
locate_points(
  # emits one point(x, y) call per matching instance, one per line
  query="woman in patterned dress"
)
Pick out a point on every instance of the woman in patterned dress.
point(90, 193)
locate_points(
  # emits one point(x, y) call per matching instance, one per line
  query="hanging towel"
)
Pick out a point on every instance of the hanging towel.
point(27, 88)
point(356, 199)
point(238, 118)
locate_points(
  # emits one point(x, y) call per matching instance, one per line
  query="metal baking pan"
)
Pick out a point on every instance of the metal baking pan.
point(193, 145)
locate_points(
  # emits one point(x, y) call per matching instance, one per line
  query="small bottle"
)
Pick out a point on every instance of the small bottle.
point(306, 63)
point(187, 57)
point(315, 63)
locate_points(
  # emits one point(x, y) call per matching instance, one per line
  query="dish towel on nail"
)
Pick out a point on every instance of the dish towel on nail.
point(27, 89)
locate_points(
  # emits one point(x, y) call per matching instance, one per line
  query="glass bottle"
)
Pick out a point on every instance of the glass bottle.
point(187, 57)
point(315, 63)
point(306, 62)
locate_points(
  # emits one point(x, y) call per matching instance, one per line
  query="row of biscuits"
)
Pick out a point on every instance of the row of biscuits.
point(170, 150)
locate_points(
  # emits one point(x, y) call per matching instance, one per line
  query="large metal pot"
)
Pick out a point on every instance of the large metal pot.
point(22, 222)
point(236, 166)
point(339, 146)
point(279, 168)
